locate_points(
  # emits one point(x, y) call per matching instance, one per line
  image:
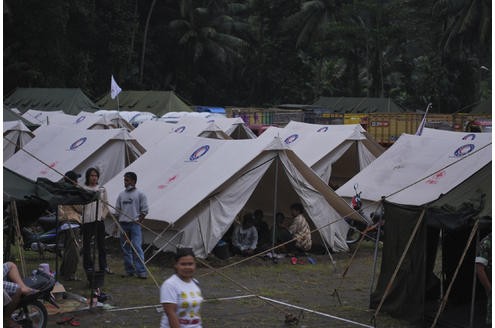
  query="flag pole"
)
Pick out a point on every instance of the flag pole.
point(419, 131)
point(118, 112)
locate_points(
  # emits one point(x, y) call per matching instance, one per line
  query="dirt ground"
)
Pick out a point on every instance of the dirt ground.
point(316, 294)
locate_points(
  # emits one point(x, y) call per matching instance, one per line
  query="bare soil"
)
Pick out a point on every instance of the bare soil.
point(315, 294)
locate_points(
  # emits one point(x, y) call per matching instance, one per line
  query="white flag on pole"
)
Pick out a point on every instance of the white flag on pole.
point(114, 89)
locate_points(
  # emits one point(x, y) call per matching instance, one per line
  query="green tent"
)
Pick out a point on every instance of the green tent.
point(359, 105)
point(70, 101)
point(9, 115)
point(156, 102)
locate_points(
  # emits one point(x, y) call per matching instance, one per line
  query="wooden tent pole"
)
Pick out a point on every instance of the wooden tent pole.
point(473, 290)
point(394, 275)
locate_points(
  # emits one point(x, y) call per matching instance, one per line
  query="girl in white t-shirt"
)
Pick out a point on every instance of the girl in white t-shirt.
point(180, 294)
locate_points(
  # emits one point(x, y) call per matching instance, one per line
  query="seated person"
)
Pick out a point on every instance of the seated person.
point(299, 228)
point(13, 289)
point(264, 236)
point(282, 233)
point(245, 236)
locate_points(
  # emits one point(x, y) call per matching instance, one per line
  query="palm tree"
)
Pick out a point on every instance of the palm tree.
point(205, 35)
point(312, 20)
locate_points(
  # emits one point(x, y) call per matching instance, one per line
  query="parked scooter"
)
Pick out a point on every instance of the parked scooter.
point(43, 235)
point(357, 228)
point(31, 312)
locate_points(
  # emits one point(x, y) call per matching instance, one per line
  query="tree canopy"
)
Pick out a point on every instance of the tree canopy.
point(254, 52)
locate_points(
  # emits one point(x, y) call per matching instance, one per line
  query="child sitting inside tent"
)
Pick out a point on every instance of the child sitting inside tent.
point(245, 236)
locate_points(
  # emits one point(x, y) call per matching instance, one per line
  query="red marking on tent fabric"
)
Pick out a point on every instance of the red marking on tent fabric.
point(51, 165)
point(436, 177)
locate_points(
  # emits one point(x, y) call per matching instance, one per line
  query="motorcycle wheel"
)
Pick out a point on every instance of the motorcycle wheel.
point(31, 315)
point(353, 235)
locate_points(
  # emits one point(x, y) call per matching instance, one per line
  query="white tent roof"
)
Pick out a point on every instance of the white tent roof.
point(64, 149)
point(109, 119)
point(150, 133)
point(234, 127)
point(417, 170)
point(202, 184)
point(196, 126)
point(322, 146)
point(40, 117)
point(15, 136)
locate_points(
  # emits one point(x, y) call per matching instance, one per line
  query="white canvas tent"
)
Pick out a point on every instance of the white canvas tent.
point(109, 119)
point(63, 149)
point(39, 117)
point(335, 152)
point(15, 136)
point(435, 189)
point(235, 127)
point(200, 127)
point(197, 189)
point(417, 170)
point(149, 133)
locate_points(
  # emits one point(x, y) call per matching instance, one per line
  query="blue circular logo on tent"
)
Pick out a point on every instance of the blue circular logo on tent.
point(464, 150)
point(199, 152)
point(180, 130)
point(291, 139)
point(80, 119)
point(78, 143)
point(470, 136)
point(323, 129)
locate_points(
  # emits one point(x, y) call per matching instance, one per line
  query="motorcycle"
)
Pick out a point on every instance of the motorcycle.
point(358, 228)
point(31, 312)
point(43, 235)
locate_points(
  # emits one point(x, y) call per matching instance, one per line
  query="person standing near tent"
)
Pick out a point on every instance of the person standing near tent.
point(484, 272)
point(132, 208)
point(70, 215)
point(180, 294)
point(299, 229)
point(93, 215)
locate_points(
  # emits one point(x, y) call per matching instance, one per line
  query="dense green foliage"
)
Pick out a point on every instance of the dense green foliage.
point(255, 53)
